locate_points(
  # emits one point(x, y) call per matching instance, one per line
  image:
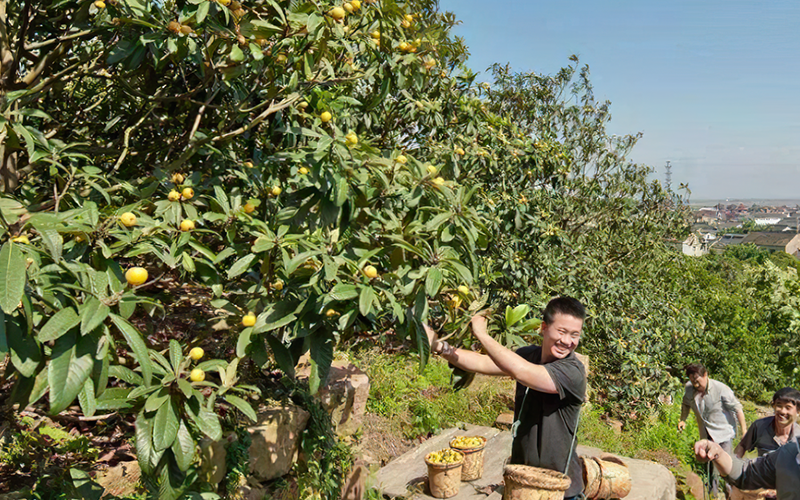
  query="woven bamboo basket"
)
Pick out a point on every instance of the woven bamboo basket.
point(604, 479)
point(473, 460)
point(737, 494)
point(444, 479)
point(532, 483)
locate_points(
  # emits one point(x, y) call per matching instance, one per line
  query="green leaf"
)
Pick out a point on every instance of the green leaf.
point(322, 354)
point(165, 426)
point(343, 292)
point(200, 15)
point(12, 277)
point(3, 338)
point(54, 243)
point(175, 354)
point(242, 405)
point(365, 300)
point(433, 281)
point(183, 448)
point(86, 398)
point(93, 314)
point(71, 365)
point(59, 324)
point(156, 400)
point(240, 266)
point(125, 374)
point(516, 314)
point(136, 343)
point(244, 342)
point(25, 351)
point(144, 443)
point(84, 486)
point(206, 421)
point(282, 355)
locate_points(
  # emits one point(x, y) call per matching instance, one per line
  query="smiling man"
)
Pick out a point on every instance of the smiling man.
point(551, 386)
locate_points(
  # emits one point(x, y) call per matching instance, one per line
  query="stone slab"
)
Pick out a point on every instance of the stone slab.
point(406, 475)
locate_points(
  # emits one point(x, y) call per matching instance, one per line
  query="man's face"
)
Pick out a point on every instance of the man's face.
point(785, 412)
point(561, 336)
point(699, 382)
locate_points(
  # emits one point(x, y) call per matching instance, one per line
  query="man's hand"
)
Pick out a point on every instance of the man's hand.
point(681, 425)
point(480, 324)
point(432, 340)
point(705, 450)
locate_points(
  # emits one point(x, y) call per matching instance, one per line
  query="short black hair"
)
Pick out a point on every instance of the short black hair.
point(787, 394)
point(563, 305)
point(695, 369)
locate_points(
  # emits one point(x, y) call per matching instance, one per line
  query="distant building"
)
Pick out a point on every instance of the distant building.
point(775, 242)
point(728, 239)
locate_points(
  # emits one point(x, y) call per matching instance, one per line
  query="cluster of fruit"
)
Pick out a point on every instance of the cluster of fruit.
point(443, 457)
point(465, 443)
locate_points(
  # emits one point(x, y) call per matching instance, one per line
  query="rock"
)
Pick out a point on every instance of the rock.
point(212, 461)
point(120, 480)
point(16, 495)
point(615, 424)
point(504, 421)
point(344, 395)
point(249, 489)
point(695, 484)
point(275, 437)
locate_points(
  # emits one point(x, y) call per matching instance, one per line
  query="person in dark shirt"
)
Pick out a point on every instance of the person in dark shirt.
point(551, 386)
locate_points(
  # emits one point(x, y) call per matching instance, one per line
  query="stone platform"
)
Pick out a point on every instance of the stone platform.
point(406, 475)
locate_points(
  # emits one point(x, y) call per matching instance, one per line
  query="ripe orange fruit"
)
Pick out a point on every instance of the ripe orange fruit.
point(177, 178)
point(303, 171)
point(196, 353)
point(187, 225)
point(247, 164)
point(276, 190)
point(370, 272)
point(186, 30)
point(100, 4)
point(174, 196)
point(249, 319)
point(375, 34)
point(356, 4)
point(174, 26)
point(326, 117)
point(277, 285)
point(348, 7)
point(197, 375)
point(128, 219)
point(460, 151)
point(351, 139)
point(401, 159)
point(248, 208)
point(187, 193)
point(135, 276)
point(330, 313)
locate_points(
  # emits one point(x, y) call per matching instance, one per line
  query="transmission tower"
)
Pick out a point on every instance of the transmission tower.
point(669, 176)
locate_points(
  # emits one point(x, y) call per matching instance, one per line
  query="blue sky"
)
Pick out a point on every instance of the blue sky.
point(713, 85)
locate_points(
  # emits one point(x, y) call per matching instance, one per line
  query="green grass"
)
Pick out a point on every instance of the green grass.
point(426, 402)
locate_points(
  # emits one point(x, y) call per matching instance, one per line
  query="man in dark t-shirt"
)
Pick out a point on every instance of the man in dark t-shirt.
point(551, 386)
